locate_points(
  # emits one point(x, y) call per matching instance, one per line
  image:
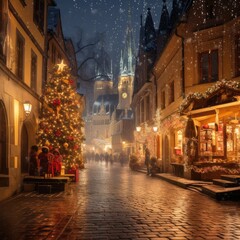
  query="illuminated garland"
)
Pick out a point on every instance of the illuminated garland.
point(223, 84)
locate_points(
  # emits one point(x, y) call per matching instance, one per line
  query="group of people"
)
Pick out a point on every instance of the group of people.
point(44, 162)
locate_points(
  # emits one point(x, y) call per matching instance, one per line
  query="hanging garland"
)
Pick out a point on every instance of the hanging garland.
point(192, 97)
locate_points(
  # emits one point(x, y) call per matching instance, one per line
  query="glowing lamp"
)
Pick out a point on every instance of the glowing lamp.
point(138, 129)
point(27, 106)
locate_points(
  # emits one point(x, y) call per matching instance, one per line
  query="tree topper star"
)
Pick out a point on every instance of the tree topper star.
point(61, 66)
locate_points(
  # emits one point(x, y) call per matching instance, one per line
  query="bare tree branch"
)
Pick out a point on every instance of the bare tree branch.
point(85, 46)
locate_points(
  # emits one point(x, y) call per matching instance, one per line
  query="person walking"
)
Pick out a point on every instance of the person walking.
point(147, 160)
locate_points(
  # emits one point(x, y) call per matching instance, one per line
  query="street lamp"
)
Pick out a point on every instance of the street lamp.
point(155, 129)
point(27, 106)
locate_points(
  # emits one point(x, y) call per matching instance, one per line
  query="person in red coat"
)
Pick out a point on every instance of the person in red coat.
point(57, 162)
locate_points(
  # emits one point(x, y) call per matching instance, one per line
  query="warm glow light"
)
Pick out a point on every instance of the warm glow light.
point(138, 129)
point(155, 129)
point(27, 108)
point(61, 66)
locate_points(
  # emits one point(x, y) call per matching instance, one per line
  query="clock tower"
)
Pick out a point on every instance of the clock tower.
point(127, 68)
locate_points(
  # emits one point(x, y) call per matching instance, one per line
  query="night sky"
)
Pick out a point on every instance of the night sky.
point(106, 16)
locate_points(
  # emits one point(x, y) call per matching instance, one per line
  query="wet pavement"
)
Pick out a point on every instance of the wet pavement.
point(112, 202)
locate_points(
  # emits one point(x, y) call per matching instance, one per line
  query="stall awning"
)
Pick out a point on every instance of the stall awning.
point(224, 111)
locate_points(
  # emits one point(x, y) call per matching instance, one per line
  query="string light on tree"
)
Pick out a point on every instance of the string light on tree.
point(60, 121)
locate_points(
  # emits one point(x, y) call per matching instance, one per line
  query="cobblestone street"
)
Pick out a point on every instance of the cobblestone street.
point(112, 202)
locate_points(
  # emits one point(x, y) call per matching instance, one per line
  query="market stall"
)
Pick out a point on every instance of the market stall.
point(216, 117)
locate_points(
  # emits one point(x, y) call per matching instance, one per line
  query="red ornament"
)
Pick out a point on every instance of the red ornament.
point(70, 138)
point(58, 133)
point(71, 81)
point(76, 147)
point(56, 102)
point(206, 126)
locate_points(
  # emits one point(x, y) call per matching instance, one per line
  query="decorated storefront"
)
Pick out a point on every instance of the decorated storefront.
point(212, 133)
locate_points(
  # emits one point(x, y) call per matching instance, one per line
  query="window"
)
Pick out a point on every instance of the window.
point(237, 56)
point(20, 43)
point(163, 103)
point(3, 27)
point(209, 66)
point(34, 71)
point(38, 14)
point(171, 92)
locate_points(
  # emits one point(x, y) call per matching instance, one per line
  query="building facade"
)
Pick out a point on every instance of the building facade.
point(194, 79)
point(23, 31)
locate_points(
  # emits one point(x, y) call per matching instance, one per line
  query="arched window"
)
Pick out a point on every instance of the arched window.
point(3, 140)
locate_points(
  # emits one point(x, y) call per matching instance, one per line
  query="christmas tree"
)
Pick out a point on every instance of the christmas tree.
point(60, 121)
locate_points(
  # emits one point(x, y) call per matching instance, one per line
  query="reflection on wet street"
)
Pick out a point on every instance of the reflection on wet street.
point(112, 202)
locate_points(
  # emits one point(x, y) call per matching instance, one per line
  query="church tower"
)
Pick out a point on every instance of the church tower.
point(127, 68)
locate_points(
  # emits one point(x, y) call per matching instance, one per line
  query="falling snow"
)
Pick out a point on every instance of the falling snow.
point(108, 16)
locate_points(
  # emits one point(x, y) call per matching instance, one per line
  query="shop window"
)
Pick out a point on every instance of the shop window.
point(233, 142)
point(237, 56)
point(163, 102)
point(211, 140)
point(20, 43)
point(38, 13)
point(178, 151)
point(208, 66)
point(33, 71)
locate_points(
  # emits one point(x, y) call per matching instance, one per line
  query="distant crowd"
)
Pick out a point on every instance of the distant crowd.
point(107, 157)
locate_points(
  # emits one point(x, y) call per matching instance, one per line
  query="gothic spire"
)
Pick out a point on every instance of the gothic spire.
point(164, 21)
point(127, 61)
point(149, 32)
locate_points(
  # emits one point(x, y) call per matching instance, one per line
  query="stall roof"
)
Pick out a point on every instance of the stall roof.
point(218, 96)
